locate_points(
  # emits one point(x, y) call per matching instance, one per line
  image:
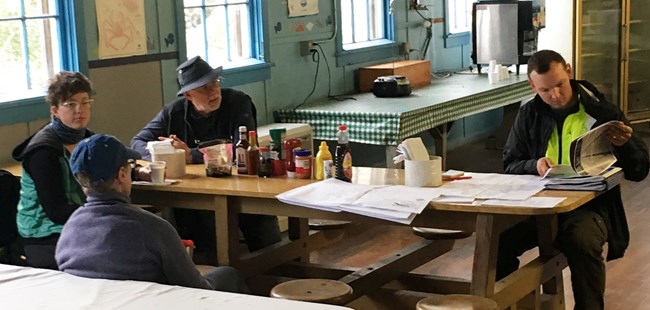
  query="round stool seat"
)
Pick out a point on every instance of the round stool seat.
point(457, 302)
point(313, 290)
point(437, 233)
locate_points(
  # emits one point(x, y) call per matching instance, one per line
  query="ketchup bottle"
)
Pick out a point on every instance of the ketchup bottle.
point(290, 145)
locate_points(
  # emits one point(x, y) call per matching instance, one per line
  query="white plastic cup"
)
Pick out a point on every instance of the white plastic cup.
point(493, 77)
point(503, 73)
point(157, 171)
point(423, 173)
point(493, 64)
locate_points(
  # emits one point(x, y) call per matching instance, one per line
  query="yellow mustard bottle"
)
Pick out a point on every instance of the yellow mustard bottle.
point(323, 154)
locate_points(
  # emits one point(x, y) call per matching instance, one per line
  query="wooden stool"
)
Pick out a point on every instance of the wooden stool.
point(438, 234)
point(312, 290)
point(456, 302)
point(317, 224)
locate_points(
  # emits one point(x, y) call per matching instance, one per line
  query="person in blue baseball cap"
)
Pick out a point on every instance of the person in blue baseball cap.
point(109, 238)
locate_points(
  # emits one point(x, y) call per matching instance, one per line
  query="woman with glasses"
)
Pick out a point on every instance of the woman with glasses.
point(49, 192)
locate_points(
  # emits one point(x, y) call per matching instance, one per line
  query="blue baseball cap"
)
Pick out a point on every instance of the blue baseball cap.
point(100, 157)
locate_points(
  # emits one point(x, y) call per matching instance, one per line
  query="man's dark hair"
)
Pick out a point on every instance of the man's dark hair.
point(541, 61)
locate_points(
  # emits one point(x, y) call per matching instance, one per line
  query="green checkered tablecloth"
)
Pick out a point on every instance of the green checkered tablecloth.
point(363, 127)
point(371, 123)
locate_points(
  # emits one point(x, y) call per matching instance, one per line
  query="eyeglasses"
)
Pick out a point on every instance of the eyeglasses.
point(207, 88)
point(73, 105)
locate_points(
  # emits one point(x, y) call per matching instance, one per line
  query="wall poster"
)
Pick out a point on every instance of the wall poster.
point(302, 7)
point(122, 30)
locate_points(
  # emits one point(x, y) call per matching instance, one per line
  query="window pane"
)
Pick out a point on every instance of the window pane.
point(12, 58)
point(187, 3)
point(9, 8)
point(346, 21)
point(39, 7)
point(377, 20)
point(194, 34)
point(44, 57)
point(217, 34)
point(227, 28)
point(459, 15)
point(362, 20)
point(360, 10)
point(240, 40)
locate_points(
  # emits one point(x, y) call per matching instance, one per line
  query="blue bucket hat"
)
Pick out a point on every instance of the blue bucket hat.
point(100, 157)
point(195, 72)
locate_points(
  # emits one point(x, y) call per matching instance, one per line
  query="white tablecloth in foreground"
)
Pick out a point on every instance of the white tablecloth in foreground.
point(33, 288)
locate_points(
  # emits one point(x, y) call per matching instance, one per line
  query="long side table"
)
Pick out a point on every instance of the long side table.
point(388, 121)
point(228, 197)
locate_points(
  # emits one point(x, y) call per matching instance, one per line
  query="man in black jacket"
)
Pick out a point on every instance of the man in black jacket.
point(562, 110)
point(206, 112)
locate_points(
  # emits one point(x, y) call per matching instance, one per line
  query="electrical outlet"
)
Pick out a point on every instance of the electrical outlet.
point(306, 47)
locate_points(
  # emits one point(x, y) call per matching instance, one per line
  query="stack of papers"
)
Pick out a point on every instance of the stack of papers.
point(611, 177)
point(399, 203)
point(160, 147)
point(396, 203)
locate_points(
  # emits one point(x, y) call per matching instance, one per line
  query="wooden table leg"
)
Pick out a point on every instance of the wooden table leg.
point(226, 221)
point(440, 135)
point(299, 232)
point(485, 255)
point(547, 227)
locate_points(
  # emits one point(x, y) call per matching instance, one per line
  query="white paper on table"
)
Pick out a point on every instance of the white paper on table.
point(398, 198)
point(533, 202)
point(381, 213)
point(330, 193)
point(461, 188)
point(454, 199)
point(501, 186)
point(387, 217)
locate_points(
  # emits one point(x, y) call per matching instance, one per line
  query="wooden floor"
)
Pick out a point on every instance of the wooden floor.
point(628, 279)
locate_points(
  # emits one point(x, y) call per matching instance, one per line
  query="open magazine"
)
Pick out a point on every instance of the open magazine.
point(590, 154)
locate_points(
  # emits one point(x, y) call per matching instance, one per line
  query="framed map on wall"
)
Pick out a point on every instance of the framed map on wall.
point(121, 26)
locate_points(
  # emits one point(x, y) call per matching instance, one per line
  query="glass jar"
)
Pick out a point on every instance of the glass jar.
point(303, 164)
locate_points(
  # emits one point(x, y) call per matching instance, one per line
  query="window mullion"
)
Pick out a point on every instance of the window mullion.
point(369, 15)
point(25, 43)
point(354, 28)
point(204, 19)
point(227, 10)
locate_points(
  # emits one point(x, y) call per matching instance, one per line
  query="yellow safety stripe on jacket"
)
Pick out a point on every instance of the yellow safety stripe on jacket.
point(574, 126)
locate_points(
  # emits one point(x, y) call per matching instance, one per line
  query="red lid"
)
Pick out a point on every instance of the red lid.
point(343, 127)
point(264, 148)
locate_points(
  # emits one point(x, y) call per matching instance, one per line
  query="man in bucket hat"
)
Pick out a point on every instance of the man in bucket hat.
point(109, 238)
point(205, 112)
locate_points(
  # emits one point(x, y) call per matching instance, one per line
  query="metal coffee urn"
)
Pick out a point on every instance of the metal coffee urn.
point(503, 31)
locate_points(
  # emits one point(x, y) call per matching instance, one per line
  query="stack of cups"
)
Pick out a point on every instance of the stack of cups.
point(496, 72)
